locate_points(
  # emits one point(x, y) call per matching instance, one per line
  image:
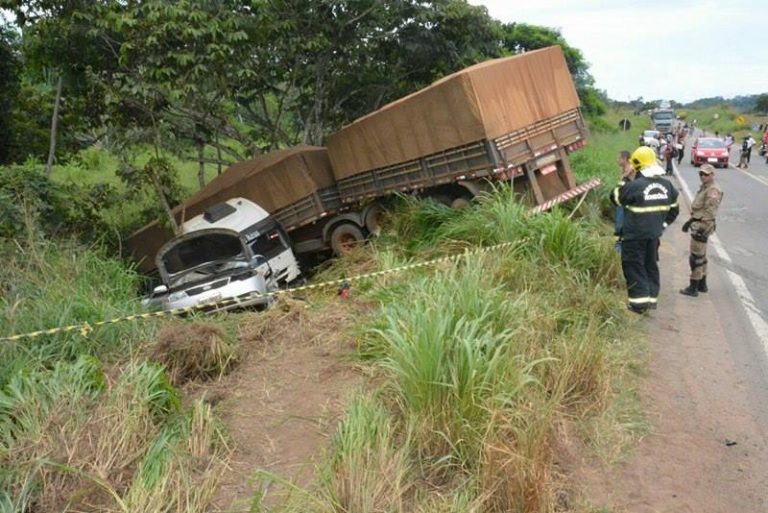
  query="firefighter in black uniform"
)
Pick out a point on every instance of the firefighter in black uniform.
point(650, 204)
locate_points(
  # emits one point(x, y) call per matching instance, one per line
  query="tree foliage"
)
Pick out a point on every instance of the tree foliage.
point(235, 78)
point(10, 69)
point(761, 104)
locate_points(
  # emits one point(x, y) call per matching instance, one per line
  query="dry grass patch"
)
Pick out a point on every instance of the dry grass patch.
point(194, 352)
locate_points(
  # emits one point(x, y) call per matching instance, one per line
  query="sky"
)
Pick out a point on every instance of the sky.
point(678, 50)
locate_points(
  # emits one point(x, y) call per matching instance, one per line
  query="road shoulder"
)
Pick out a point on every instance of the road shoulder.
point(707, 451)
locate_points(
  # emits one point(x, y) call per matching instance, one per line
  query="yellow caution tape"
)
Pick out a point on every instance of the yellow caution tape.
point(85, 328)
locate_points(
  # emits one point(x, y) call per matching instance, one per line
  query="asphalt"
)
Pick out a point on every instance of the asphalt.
point(740, 247)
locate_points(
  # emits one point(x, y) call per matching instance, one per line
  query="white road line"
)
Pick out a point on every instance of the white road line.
point(747, 301)
point(754, 177)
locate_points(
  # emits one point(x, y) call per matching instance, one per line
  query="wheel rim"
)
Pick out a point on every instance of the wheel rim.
point(347, 242)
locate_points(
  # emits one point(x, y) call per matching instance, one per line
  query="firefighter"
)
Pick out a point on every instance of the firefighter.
point(701, 225)
point(650, 205)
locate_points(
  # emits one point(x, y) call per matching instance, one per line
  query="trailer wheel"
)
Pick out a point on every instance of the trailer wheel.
point(345, 237)
point(460, 202)
point(375, 217)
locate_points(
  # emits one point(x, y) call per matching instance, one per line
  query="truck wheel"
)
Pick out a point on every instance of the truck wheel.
point(375, 217)
point(345, 237)
point(460, 202)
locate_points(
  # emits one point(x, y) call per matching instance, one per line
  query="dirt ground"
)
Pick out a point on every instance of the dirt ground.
point(284, 400)
point(704, 393)
point(706, 399)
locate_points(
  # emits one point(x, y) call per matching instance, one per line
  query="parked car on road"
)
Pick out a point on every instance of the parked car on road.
point(709, 150)
point(650, 138)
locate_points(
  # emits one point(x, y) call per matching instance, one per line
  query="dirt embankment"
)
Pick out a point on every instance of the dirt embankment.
point(284, 399)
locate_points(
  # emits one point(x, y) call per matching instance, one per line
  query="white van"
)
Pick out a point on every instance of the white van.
point(234, 250)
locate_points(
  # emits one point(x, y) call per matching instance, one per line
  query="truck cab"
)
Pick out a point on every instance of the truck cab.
point(663, 120)
point(233, 251)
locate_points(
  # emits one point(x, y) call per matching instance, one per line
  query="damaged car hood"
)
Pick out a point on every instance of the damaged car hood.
point(201, 253)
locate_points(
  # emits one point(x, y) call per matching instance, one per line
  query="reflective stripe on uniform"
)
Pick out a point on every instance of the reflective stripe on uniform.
point(645, 210)
point(616, 195)
point(641, 300)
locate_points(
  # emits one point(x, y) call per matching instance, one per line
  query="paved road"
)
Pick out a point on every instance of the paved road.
point(707, 385)
point(742, 229)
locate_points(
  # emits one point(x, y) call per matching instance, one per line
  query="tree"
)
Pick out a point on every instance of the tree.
point(57, 51)
point(761, 104)
point(10, 70)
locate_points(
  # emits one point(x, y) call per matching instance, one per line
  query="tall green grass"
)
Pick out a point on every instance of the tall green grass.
point(484, 358)
point(86, 422)
point(58, 284)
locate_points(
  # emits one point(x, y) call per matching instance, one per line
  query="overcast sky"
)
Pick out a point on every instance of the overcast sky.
point(678, 50)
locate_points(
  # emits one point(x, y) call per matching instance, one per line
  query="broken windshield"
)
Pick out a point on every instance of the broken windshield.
point(194, 252)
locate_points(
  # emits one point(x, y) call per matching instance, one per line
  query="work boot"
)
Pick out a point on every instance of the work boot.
point(703, 285)
point(692, 289)
point(638, 309)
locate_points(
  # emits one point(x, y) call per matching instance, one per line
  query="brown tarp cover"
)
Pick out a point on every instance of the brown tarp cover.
point(484, 101)
point(273, 181)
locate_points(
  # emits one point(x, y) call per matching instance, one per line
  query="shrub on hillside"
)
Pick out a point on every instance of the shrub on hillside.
point(29, 199)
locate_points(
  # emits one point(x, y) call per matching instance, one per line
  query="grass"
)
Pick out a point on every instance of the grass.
point(484, 359)
point(48, 284)
point(479, 362)
point(88, 423)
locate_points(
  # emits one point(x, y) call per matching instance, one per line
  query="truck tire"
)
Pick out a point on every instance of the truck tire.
point(461, 202)
point(375, 217)
point(345, 237)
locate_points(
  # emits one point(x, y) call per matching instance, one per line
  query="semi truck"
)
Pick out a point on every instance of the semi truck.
point(513, 120)
point(663, 120)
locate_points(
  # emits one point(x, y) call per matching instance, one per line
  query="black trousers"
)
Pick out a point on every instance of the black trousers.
point(640, 263)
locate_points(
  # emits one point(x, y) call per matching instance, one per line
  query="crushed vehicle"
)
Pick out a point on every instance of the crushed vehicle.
point(231, 256)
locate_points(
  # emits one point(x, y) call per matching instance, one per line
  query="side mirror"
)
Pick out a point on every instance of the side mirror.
point(159, 290)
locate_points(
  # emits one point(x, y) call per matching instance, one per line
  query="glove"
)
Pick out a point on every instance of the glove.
point(687, 225)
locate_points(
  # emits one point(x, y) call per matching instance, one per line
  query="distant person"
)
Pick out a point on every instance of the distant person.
point(669, 156)
point(682, 136)
point(729, 142)
point(627, 175)
point(744, 157)
point(701, 226)
point(764, 149)
point(750, 143)
point(650, 204)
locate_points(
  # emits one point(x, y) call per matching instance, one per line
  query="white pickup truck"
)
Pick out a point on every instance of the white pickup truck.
point(234, 250)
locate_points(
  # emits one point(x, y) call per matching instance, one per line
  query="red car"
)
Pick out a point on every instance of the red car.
point(709, 150)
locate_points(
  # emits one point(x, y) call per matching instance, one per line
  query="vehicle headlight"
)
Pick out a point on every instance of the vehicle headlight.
point(175, 296)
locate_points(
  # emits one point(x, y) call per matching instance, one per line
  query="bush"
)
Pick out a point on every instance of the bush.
point(31, 200)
